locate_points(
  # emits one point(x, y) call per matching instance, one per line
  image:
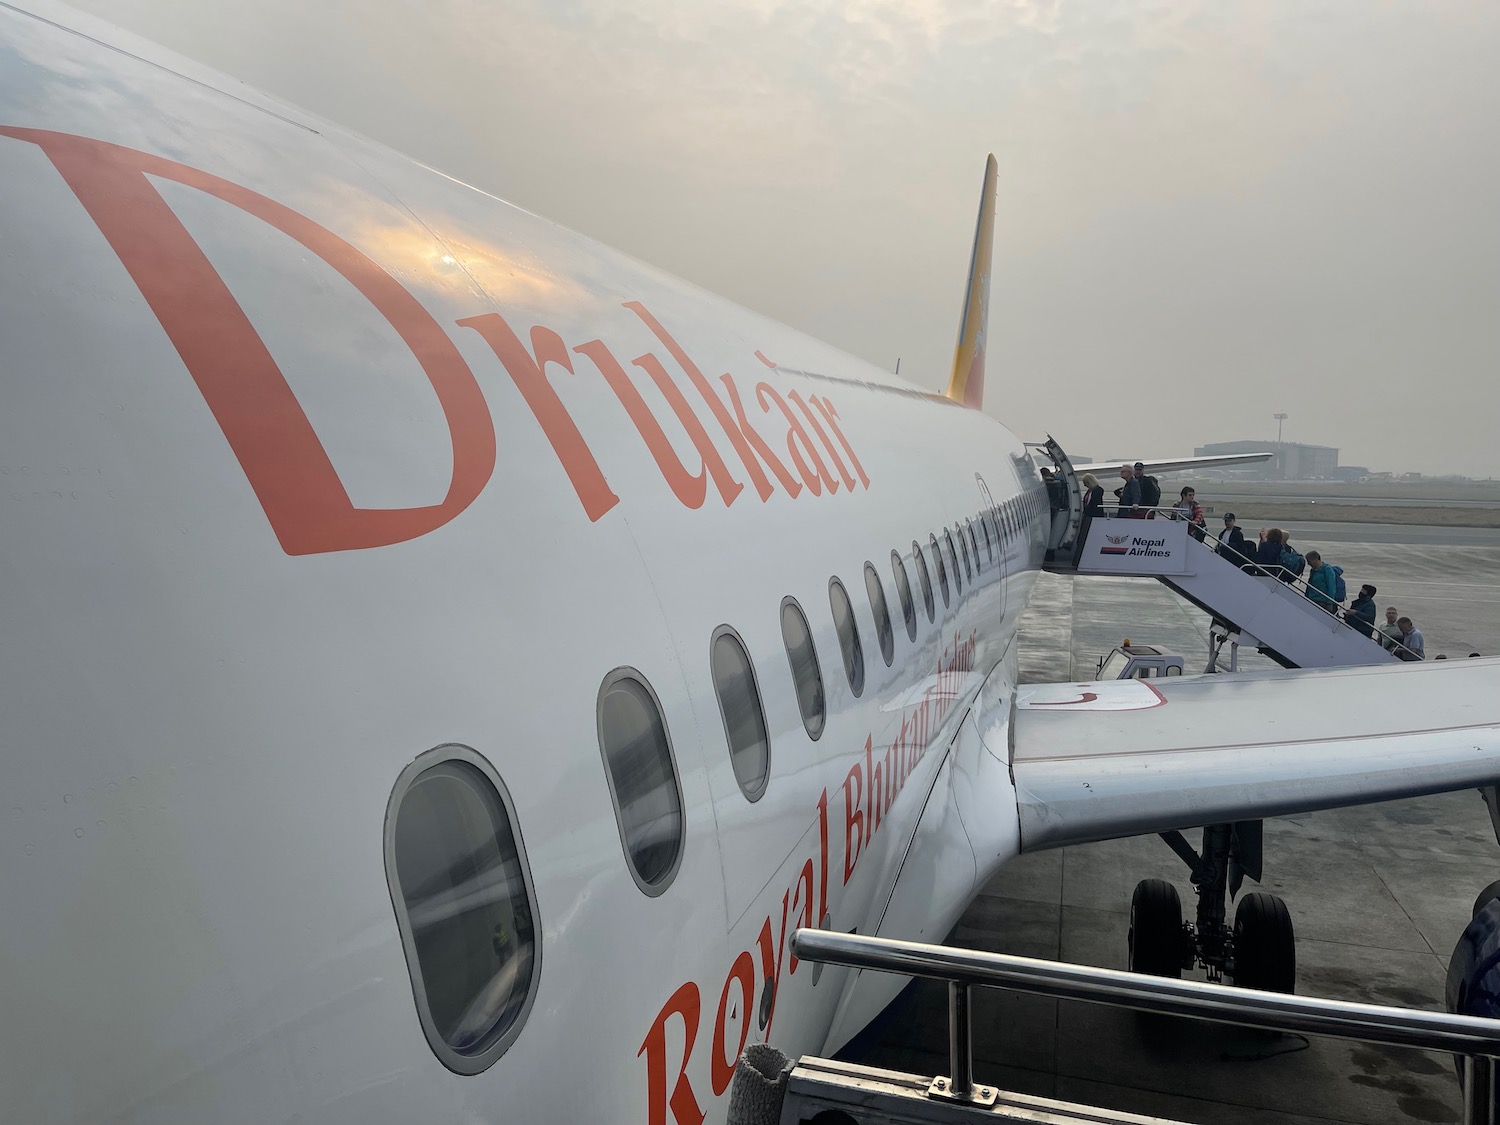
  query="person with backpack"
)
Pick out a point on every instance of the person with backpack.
point(1325, 583)
point(1268, 554)
point(1150, 490)
point(1292, 562)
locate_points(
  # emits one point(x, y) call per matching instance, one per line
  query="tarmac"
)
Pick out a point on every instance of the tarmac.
point(1378, 894)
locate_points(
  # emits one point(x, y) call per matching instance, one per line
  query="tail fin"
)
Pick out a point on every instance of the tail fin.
point(967, 384)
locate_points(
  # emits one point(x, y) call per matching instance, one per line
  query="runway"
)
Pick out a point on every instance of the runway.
point(1378, 894)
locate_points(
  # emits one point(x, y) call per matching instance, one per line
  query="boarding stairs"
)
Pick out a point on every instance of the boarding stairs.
point(1271, 612)
point(1265, 608)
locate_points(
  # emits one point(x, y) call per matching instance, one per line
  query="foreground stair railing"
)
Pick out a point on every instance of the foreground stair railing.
point(1475, 1040)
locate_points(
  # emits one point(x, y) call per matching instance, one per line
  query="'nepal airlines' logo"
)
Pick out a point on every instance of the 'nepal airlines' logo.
point(277, 447)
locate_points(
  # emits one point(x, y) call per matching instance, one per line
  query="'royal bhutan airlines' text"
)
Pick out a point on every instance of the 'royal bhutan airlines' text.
point(860, 805)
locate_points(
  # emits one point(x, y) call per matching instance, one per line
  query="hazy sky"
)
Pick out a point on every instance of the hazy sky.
point(1209, 211)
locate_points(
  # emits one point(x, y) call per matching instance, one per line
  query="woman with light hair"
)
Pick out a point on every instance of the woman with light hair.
point(1093, 495)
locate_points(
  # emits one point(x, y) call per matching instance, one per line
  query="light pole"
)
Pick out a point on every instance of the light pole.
point(1280, 418)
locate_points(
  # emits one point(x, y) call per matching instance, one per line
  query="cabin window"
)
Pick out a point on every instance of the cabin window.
point(969, 527)
point(924, 580)
point(958, 582)
point(464, 905)
point(848, 631)
point(807, 678)
point(937, 557)
point(740, 708)
point(989, 546)
point(642, 779)
point(883, 631)
point(963, 544)
point(903, 591)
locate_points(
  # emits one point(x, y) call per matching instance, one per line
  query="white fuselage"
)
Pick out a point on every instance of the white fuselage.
point(289, 500)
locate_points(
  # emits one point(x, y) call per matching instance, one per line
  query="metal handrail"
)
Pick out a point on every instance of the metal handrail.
point(1297, 582)
point(1475, 1038)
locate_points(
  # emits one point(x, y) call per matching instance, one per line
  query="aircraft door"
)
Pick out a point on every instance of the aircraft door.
point(1065, 522)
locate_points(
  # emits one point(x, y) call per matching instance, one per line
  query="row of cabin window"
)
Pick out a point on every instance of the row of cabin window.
point(454, 855)
point(807, 677)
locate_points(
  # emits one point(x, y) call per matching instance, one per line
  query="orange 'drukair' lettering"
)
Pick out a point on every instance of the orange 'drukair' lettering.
point(285, 463)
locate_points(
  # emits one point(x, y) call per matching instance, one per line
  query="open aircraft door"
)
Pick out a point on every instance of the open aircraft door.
point(1062, 533)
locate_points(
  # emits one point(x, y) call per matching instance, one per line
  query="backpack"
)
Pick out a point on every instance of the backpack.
point(1340, 591)
point(1293, 561)
point(1150, 492)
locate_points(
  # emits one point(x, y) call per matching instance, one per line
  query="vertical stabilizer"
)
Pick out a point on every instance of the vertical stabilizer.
point(967, 384)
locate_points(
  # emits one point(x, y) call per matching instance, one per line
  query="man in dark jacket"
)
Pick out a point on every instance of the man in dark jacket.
point(1361, 611)
point(1130, 495)
point(1150, 489)
point(1232, 542)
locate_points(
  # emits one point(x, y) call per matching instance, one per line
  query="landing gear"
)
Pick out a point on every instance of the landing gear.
point(1258, 952)
point(1156, 939)
point(1264, 948)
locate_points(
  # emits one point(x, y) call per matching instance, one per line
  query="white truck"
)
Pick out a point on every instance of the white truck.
point(1138, 662)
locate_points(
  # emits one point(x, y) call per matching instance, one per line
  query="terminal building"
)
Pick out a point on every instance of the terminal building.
point(1292, 460)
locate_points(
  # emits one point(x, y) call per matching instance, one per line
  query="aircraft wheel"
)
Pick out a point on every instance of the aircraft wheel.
point(1265, 950)
point(1485, 897)
point(1155, 941)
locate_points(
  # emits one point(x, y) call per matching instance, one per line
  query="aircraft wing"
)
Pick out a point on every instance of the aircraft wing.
point(1153, 467)
point(1097, 761)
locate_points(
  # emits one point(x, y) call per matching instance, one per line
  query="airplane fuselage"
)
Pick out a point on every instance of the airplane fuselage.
point(316, 462)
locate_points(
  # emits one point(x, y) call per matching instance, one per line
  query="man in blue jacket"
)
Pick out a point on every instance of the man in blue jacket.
point(1323, 582)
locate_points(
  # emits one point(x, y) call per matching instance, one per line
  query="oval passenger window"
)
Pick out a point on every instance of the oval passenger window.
point(803, 657)
point(924, 579)
point(903, 591)
point(883, 630)
point(937, 557)
point(963, 543)
point(848, 631)
point(463, 901)
point(973, 542)
point(958, 580)
point(740, 708)
point(642, 779)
